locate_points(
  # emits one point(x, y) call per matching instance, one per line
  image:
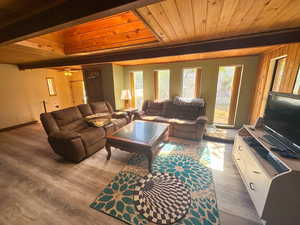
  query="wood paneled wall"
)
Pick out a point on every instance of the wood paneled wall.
point(264, 76)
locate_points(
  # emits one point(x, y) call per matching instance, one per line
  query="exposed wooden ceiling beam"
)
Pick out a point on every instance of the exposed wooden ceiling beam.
point(238, 42)
point(68, 13)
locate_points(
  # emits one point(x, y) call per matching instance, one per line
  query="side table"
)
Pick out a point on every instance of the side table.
point(130, 112)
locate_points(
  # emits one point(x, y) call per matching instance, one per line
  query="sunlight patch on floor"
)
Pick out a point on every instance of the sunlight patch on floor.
point(167, 148)
point(214, 155)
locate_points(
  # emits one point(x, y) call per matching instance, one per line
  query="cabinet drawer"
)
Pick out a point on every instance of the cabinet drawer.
point(256, 180)
point(258, 185)
point(238, 158)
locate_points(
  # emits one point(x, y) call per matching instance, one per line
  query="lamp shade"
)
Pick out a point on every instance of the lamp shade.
point(125, 95)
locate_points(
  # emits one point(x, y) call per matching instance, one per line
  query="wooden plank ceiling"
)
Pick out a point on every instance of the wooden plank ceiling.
point(166, 22)
point(121, 30)
point(49, 46)
point(185, 20)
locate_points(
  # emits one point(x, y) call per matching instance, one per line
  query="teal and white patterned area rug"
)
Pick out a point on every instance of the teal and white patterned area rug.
point(187, 162)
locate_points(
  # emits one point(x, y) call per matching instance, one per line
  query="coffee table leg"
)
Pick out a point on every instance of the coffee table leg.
point(166, 135)
point(108, 149)
point(149, 156)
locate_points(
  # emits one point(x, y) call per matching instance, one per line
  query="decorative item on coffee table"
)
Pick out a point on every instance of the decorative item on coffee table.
point(98, 122)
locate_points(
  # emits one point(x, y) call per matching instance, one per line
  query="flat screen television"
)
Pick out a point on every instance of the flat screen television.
point(282, 116)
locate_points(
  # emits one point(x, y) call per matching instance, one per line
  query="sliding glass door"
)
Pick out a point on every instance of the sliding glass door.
point(137, 89)
point(229, 78)
point(162, 84)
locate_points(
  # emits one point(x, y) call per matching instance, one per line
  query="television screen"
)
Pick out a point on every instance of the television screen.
point(282, 115)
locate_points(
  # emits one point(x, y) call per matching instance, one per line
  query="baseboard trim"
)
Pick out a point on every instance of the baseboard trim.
point(18, 125)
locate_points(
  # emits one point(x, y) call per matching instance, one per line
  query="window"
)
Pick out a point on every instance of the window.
point(51, 86)
point(189, 83)
point(162, 84)
point(137, 90)
point(278, 73)
point(274, 78)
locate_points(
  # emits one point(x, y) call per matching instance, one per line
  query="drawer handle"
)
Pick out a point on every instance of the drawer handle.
point(251, 186)
point(257, 172)
point(240, 148)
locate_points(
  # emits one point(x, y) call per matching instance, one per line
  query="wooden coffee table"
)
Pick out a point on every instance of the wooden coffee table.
point(138, 136)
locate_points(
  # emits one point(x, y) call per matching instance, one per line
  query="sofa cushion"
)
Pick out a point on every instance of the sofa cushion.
point(85, 109)
point(99, 107)
point(119, 123)
point(104, 115)
point(154, 108)
point(91, 135)
point(156, 119)
point(95, 147)
point(49, 123)
point(145, 105)
point(169, 109)
point(65, 135)
point(66, 116)
point(98, 122)
point(75, 125)
point(182, 122)
point(183, 125)
point(189, 101)
point(187, 112)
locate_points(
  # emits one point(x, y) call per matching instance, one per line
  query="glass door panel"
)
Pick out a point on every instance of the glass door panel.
point(224, 94)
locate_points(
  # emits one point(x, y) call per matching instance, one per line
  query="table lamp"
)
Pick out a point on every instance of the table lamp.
point(126, 97)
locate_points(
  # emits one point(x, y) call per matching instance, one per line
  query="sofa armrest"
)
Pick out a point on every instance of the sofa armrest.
point(119, 115)
point(64, 135)
point(68, 144)
point(201, 119)
point(138, 115)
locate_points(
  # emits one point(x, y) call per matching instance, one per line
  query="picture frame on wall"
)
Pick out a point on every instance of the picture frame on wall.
point(296, 89)
point(51, 86)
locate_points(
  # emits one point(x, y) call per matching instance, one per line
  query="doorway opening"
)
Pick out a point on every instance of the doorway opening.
point(229, 78)
point(78, 92)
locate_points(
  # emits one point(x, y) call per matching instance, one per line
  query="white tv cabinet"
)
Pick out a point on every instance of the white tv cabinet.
point(276, 195)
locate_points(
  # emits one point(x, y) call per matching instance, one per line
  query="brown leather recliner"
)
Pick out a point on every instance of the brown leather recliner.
point(187, 120)
point(70, 135)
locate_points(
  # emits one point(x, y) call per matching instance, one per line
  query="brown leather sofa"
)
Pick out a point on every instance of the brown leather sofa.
point(72, 137)
point(187, 120)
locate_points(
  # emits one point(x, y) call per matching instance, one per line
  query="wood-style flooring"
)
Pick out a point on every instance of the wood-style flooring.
point(37, 187)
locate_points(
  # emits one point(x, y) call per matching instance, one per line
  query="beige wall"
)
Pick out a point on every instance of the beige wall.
point(22, 93)
point(111, 82)
point(118, 75)
point(108, 83)
point(76, 76)
point(209, 81)
point(77, 87)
